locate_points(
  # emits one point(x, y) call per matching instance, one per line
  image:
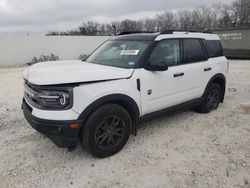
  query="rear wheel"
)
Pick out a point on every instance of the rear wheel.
point(106, 131)
point(211, 99)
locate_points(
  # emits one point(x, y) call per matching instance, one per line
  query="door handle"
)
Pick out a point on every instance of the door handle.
point(208, 69)
point(179, 74)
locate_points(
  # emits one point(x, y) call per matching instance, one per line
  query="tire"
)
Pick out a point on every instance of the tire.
point(106, 131)
point(211, 99)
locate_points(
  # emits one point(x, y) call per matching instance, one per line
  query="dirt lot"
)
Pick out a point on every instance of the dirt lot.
point(184, 149)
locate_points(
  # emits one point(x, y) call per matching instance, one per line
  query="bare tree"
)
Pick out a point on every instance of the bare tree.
point(165, 21)
point(52, 33)
point(216, 16)
point(241, 13)
point(216, 12)
point(200, 21)
point(149, 24)
point(184, 19)
point(116, 27)
point(129, 25)
point(226, 21)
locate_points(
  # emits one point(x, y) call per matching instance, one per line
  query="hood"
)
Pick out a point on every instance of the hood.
point(63, 72)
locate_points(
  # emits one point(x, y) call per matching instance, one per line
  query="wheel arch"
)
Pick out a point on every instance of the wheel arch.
point(123, 100)
point(219, 79)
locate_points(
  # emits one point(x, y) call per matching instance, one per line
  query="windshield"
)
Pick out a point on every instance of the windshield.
point(124, 54)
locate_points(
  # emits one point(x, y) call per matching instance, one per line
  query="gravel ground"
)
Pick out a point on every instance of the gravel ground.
point(184, 149)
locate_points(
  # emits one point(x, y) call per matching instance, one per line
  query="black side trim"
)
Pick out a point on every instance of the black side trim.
point(125, 101)
point(183, 106)
point(138, 83)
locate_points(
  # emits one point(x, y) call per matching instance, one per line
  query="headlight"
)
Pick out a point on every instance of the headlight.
point(49, 97)
point(54, 99)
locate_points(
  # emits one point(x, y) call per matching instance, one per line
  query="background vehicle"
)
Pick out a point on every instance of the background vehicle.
point(101, 101)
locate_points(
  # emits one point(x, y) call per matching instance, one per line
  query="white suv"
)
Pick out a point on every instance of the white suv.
point(100, 101)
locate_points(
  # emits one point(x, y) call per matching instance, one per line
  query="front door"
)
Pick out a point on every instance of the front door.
point(162, 89)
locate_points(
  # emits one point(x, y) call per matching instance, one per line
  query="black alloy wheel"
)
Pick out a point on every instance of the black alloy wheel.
point(213, 99)
point(109, 132)
point(106, 130)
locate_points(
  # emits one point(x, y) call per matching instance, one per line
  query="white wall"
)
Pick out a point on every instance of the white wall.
point(21, 50)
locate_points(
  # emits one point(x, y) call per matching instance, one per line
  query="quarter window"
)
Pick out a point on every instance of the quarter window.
point(193, 51)
point(215, 49)
point(166, 52)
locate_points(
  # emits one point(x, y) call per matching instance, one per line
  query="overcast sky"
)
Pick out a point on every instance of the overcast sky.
point(18, 17)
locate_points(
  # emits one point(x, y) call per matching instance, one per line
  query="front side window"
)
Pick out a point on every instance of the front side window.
point(166, 52)
point(124, 54)
point(193, 51)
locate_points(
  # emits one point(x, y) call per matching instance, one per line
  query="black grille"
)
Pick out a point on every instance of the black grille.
point(31, 94)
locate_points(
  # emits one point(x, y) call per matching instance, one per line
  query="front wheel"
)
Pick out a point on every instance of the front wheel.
point(106, 131)
point(211, 99)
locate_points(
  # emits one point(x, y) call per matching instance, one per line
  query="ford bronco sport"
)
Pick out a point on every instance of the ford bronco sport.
point(100, 101)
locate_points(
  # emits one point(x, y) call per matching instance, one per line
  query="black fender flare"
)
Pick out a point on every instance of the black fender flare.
point(213, 79)
point(125, 101)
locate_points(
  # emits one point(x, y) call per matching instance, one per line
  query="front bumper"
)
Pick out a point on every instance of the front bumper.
point(57, 131)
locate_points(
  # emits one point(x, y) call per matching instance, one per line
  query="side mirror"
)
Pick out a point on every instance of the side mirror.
point(83, 57)
point(157, 67)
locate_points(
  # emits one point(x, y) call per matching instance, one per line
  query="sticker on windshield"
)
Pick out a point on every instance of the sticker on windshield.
point(130, 52)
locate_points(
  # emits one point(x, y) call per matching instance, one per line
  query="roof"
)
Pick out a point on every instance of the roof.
point(136, 36)
point(165, 35)
point(178, 34)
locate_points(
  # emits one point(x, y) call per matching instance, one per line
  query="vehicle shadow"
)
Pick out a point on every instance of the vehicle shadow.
point(148, 124)
point(163, 117)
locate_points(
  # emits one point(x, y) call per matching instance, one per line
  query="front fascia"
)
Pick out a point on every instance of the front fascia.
point(54, 114)
point(86, 93)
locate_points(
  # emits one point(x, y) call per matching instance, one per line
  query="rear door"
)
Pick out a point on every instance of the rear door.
point(198, 66)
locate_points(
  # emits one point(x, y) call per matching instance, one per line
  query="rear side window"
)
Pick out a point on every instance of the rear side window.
point(193, 51)
point(215, 48)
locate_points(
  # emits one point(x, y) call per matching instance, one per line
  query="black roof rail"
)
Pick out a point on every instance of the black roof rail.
point(134, 32)
point(183, 30)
